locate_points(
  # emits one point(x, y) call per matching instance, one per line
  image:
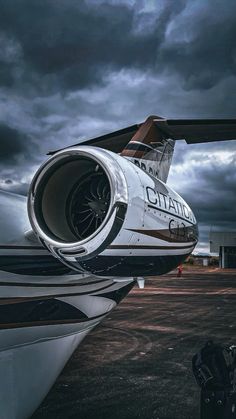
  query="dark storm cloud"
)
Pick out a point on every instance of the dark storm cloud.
point(212, 195)
point(73, 43)
point(208, 185)
point(17, 154)
point(12, 144)
point(6, 78)
point(204, 50)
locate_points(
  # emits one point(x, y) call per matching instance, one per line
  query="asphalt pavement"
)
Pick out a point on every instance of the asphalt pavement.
point(137, 363)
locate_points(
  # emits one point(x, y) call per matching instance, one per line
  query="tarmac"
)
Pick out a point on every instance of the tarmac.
point(137, 363)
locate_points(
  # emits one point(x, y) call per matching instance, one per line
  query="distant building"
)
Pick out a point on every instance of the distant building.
point(203, 259)
point(224, 243)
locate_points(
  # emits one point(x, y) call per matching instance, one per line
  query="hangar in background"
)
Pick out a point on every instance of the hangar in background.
point(224, 243)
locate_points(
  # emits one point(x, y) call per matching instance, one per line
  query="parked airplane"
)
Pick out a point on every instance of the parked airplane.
point(100, 215)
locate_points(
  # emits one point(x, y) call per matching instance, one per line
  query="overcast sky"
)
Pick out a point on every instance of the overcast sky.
point(73, 69)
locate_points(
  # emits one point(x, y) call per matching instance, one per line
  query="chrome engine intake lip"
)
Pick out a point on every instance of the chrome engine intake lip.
point(110, 226)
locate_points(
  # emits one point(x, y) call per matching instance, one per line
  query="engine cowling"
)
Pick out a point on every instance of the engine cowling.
point(98, 212)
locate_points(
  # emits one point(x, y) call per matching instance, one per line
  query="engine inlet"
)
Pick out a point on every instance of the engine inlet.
point(73, 199)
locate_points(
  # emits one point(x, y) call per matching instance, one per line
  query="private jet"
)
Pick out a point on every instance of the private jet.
point(99, 217)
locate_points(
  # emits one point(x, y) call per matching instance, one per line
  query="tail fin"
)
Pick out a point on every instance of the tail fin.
point(150, 149)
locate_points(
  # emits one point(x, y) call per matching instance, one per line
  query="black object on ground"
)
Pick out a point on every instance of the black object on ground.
point(214, 368)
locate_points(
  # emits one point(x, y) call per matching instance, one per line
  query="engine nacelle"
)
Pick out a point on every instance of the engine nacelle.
point(99, 213)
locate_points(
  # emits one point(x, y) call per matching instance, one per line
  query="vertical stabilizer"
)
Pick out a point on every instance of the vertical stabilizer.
point(150, 149)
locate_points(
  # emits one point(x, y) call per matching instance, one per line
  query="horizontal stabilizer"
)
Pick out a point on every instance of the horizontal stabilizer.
point(190, 130)
point(198, 130)
point(114, 141)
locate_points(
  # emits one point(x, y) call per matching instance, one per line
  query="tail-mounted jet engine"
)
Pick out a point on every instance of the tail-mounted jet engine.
point(98, 212)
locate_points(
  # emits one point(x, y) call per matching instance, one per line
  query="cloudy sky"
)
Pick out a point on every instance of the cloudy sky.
point(74, 69)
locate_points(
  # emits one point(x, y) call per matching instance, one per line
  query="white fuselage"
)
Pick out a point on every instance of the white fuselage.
point(46, 308)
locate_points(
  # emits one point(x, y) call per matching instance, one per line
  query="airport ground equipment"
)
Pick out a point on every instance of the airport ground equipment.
point(214, 368)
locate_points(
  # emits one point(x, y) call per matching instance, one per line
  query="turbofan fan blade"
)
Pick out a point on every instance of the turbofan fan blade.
point(89, 204)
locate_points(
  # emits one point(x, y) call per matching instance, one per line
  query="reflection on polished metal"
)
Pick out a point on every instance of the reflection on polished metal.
point(102, 217)
point(69, 168)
